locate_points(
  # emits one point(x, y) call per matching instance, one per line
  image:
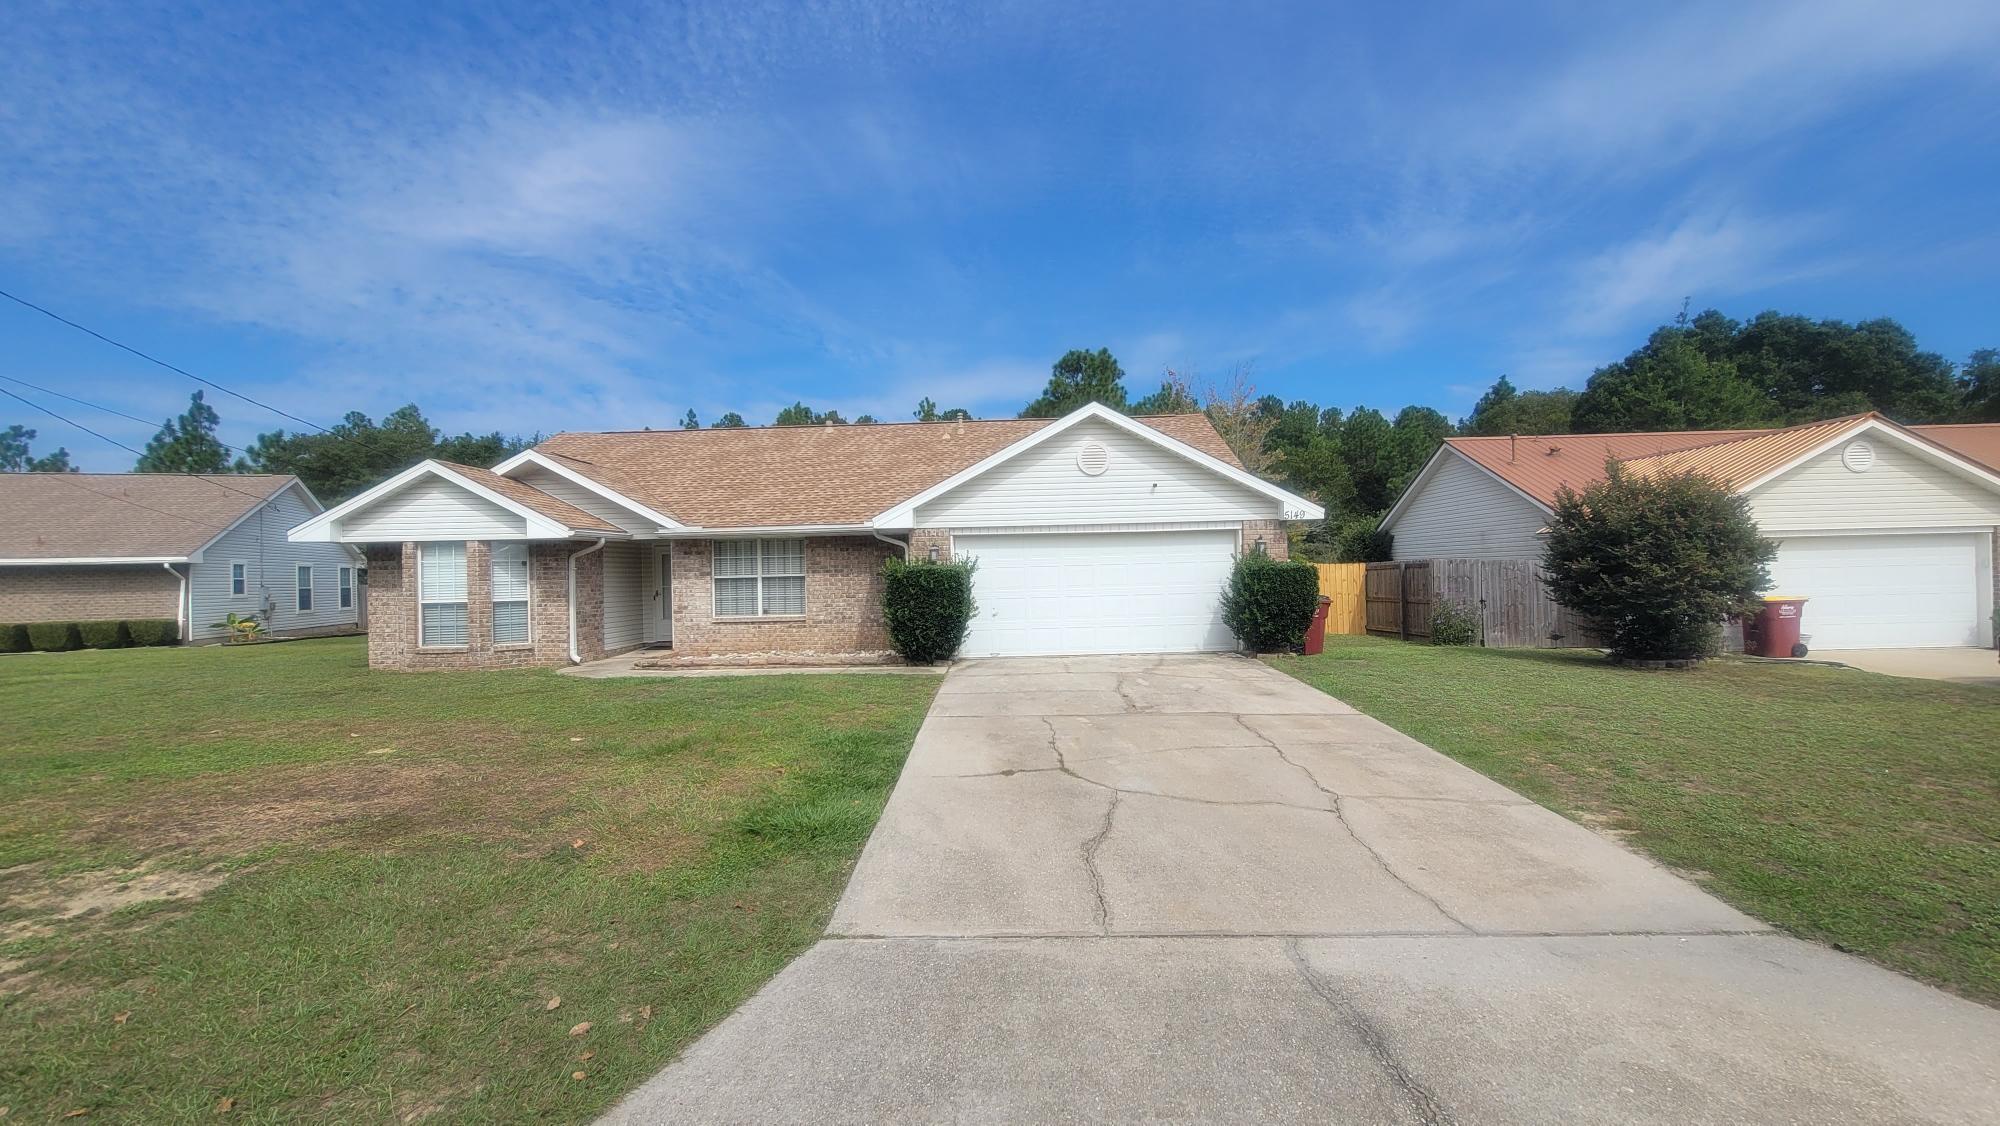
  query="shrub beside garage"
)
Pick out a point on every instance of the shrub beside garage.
point(1269, 604)
point(61, 637)
point(928, 608)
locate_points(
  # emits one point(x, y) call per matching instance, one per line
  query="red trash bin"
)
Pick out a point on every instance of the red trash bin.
point(1316, 632)
point(1777, 628)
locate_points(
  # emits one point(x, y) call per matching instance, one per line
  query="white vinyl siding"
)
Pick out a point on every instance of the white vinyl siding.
point(760, 578)
point(431, 508)
point(562, 488)
point(1142, 483)
point(1461, 512)
point(270, 563)
point(627, 594)
point(303, 589)
point(1901, 489)
point(441, 598)
point(510, 593)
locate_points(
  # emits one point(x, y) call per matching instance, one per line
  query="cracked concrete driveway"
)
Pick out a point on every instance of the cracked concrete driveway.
point(1192, 888)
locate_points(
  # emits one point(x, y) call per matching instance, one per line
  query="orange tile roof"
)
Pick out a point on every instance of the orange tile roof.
point(1538, 464)
point(1979, 441)
point(777, 476)
point(561, 511)
point(123, 515)
point(1739, 461)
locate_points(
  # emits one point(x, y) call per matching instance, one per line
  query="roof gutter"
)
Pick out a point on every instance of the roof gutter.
point(95, 561)
point(893, 542)
point(181, 625)
point(576, 658)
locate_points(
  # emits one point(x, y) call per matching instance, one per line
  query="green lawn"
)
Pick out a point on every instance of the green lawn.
point(1860, 810)
point(384, 880)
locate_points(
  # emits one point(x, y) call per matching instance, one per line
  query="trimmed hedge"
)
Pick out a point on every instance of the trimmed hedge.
point(14, 638)
point(1269, 605)
point(1453, 623)
point(153, 631)
point(927, 607)
point(103, 635)
point(54, 637)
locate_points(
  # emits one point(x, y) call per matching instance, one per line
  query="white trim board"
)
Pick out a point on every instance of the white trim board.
point(1430, 468)
point(543, 461)
point(538, 527)
point(1915, 443)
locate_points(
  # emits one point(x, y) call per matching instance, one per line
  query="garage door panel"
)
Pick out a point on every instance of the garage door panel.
point(1126, 592)
point(1884, 592)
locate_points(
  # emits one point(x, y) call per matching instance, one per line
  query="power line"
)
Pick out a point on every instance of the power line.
point(202, 477)
point(102, 407)
point(155, 360)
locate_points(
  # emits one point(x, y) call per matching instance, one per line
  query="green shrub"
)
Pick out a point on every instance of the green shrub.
point(54, 637)
point(1656, 563)
point(14, 638)
point(153, 631)
point(1362, 540)
point(1268, 605)
point(1454, 623)
point(927, 607)
point(103, 635)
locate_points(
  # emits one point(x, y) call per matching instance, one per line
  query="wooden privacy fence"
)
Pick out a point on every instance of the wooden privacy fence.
point(1507, 594)
point(1342, 584)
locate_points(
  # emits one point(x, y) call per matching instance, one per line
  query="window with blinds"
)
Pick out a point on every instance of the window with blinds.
point(305, 585)
point(510, 593)
point(441, 593)
point(760, 578)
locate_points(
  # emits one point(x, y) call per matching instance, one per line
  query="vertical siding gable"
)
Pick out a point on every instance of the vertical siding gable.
point(1142, 482)
point(1901, 489)
point(562, 488)
point(436, 509)
point(269, 573)
point(1463, 513)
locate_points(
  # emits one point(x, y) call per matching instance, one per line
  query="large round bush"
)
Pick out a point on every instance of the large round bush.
point(927, 607)
point(1269, 605)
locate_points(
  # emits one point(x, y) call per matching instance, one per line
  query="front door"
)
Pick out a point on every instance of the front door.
point(660, 597)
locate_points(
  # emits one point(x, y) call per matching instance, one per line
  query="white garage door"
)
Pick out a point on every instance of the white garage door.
point(1884, 592)
point(1093, 592)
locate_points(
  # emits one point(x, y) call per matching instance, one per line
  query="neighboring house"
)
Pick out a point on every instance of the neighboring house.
point(1891, 530)
point(191, 547)
point(1094, 533)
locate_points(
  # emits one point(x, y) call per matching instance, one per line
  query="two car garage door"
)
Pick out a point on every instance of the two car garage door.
point(1886, 592)
point(1098, 592)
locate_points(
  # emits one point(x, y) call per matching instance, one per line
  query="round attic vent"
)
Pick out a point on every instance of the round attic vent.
point(1093, 459)
point(1857, 457)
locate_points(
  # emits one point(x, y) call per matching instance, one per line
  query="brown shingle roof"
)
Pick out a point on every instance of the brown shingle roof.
point(794, 475)
point(561, 511)
point(123, 515)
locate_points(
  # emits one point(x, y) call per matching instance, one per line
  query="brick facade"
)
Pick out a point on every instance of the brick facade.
point(1276, 545)
point(84, 594)
point(843, 617)
point(393, 613)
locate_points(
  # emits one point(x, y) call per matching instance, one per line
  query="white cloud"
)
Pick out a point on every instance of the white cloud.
point(1704, 256)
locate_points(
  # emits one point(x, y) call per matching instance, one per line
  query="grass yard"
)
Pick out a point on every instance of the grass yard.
point(1860, 810)
point(265, 882)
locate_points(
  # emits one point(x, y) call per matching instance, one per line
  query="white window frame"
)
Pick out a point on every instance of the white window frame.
point(346, 599)
point(527, 602)
point(464, 601)
point(302, 593)
point(239, 578)
point(763, 546)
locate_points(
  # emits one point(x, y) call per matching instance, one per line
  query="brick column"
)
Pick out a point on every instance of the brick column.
point(923, 539)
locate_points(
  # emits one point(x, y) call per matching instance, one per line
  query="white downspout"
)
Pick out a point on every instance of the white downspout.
point(576, 658)
point(904, 544)
point(180, 604)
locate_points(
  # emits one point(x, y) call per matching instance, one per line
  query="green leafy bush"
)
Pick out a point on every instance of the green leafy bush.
point(54, 637)
point(928, 607)
point(14, 638)
point(103, 635)
point(1268, 604)
point(1362, 540)
point(1656, 563)
point(1454, 623)
point(153, 631)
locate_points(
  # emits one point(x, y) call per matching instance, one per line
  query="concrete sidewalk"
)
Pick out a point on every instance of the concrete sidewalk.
point(1192, 888)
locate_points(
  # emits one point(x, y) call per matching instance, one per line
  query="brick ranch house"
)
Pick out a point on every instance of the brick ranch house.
point(1094, 533)
point(190, 547)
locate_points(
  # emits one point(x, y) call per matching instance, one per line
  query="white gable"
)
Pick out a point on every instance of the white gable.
point(1899, 489)
point(1140, 481)
point(564, 489)
point(1460, 512)
point(431, 509)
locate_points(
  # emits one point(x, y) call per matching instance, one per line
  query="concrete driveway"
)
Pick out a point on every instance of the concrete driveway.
point(1960, 666)
point(1195, 889)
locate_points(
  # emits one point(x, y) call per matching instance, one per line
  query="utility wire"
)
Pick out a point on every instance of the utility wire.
point(205, 477)
point(101, 407)
point(155, 360)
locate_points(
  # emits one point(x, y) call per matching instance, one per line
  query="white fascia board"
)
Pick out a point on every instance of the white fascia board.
point(319, 529)
point(1916, 443)
point(1431, 467)
point(94, 561)
point(765, 531)
point(530, 457)
point(1291, 505)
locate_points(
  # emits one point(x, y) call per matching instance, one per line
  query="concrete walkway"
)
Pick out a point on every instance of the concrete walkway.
point(1960, 666)
point(1192, 888)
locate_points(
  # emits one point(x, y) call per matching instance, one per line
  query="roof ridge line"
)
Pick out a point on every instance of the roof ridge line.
point(1758, 435)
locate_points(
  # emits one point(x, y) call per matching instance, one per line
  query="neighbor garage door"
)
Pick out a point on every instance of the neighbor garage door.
point(1093, 592)
point(1884, 592)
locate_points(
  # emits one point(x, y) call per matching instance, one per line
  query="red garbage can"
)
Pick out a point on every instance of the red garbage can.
point(1316, 632)
point(1776, 628)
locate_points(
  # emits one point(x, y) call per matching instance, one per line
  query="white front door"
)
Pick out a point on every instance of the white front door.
point(1887, 592)
point(1098, 592)
point(660, 596)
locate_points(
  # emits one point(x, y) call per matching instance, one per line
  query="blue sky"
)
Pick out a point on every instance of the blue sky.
point(528, 220)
